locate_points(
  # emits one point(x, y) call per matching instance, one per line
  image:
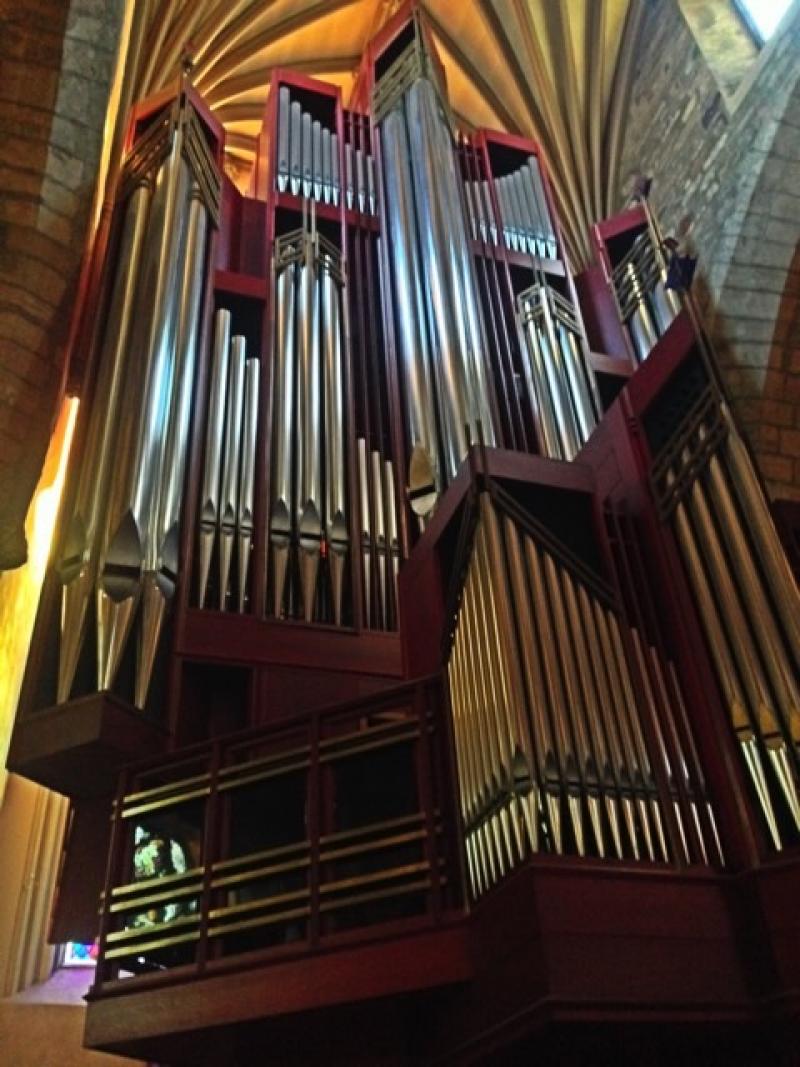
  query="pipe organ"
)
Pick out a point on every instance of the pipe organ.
point(469, 599)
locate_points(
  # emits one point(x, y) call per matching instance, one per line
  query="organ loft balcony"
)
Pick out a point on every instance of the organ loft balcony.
point(415, 612)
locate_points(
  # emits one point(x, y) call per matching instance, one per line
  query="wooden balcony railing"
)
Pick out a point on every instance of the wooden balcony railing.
point(314, 832)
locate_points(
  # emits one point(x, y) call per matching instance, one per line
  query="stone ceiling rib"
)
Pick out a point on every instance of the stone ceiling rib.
point(555, 70)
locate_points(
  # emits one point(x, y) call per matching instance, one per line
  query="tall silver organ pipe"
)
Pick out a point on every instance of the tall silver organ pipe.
point(308, 461)
point(77, 566)
point(439, 326)
point(141, 414)
point(747, 601)
point(215, 423)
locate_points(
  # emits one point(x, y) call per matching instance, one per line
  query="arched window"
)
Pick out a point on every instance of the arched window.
point(762, 17)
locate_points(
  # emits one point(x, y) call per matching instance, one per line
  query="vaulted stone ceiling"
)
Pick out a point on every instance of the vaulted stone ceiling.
point(554, 70)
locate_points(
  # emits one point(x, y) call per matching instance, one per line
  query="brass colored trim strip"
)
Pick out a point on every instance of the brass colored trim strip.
point(159, 790)
point(255, 905)
point(149, 883)
point(252, 924)
point(168, 803)
point(260, 872)
point(150, 946)
point(378, 894)
point(373, 827)
point(377, 876)
point(195, 889)
point(257, 857)
point(148, 931)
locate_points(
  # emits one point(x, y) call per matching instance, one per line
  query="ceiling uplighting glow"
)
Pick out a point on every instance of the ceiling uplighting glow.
point(765, 14)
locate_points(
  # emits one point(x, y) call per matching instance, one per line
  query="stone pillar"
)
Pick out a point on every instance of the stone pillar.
point(56, 67)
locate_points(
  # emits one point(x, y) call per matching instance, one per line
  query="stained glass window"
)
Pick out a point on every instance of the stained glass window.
point(78, 955)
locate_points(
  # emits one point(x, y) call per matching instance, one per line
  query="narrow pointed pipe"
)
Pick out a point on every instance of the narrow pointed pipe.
point(327, 166)
point(781, 581)
point(309, 503)
point(630, 771)
point(316, 159)
point(555, 370)
point(480, 211)
point(284, 135)
point(518, 212)
point(491, 221)
point(231, 456)
point(537, 223)
point(366, 527)
point(361, 181)
point(523, 213)
point(393, 540)
point(349, 176)
point(284, 433)
point(335, 183)
point(245, 518)
point(335, 461)
point(509, 233)
point(522, 761)
point(212, 468)
point(779, 669)
point(609, 745)
point(466, 729)
point(536, 378)
point(457, 702)
point(295, 148)
point(577, 383)
point(752, 673)
point(142, 431)
point(161, 564)
point(306, 157)
point(551, 245)
point(496, 760)
point(372, 200)
point(381, 548)
point(472, 214)
point(649, 808)
point(568, 758)
point(497, 695)
point(722, 656)
point(77, 564)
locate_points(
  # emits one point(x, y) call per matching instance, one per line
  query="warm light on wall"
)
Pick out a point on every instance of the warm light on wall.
point(20, 588)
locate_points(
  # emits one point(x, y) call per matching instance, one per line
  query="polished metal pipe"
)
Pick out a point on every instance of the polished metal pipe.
point(316, 159)
point(245, 519)
point(781, 581)
point(335, 186)
point(309, 513)
point(212, 469)
point(327, 166)
point(77, 565)
point(372, 203)
point(366, 527)
point(142, 431)
point(284, 432)
point(161, 563)
point(536, 380)
point(295, 148)
point(551, 245)
point(335, 430)
point(361, 181)
point(393, 540)
point(306, 156)
point(230, 465)
point(349, 176)
point(379, 539)
point(412, 343)
point(284, 134)
point(723, 658)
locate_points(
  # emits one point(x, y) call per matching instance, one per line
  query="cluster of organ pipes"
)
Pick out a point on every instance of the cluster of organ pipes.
point(226, 512)
point(646, 306)
point(561, 387)
point(308, 153)
point(308, 461)
point(525, 222)
point(550, 746)
point(749, 608)
point(380, 545)
point(122, 538)
point(439, 330)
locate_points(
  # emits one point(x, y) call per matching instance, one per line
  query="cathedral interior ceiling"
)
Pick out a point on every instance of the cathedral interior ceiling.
point(555, 70)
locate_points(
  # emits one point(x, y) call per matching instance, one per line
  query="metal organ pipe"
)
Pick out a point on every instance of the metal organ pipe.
point(77, 566)
point(134, 492)
point(122, 541)
point(439, 326)
point(308, 510)
point(215, 424)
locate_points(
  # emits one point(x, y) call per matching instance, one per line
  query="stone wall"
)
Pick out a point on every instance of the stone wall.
point(736, 168)
point(56, 66)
